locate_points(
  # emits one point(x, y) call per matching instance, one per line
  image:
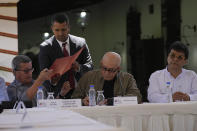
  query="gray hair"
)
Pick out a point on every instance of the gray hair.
point(18, 60)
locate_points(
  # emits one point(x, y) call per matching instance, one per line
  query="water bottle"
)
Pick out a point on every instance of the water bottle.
point(40, 95)
point(169, 92)
point(92, 96)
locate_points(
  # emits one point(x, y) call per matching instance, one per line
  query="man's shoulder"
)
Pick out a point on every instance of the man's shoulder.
point(90, 76)
point(2, 83)
point(76, 39)
point(189, 72)
point(73, 37)
point(1, 79)
point(47, 42)
point(11, 85)
point(158, 72)
point(92, 73)
point(125, 74)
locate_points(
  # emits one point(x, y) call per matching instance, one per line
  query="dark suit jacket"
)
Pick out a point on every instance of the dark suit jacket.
point(50, 51)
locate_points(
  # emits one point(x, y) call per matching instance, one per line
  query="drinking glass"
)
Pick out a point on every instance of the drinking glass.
point(100, 98)
point(50, 95)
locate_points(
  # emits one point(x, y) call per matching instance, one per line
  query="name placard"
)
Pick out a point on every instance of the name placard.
point(71, 103)
point(128, 100)
point(56, 103)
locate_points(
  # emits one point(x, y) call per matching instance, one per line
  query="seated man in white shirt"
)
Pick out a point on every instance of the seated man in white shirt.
point(174, 83)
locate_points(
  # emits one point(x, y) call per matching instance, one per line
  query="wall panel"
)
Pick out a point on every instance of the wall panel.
point(8, 37)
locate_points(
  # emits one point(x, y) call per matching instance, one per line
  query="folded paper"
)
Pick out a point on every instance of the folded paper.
point(62, 65)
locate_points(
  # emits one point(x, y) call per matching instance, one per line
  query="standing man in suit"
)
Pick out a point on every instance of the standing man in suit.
point(63, 44)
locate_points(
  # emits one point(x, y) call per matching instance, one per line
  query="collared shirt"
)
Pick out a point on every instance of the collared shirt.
point(67, 45)
point(68, 49)
point(3, 91)
point(17, 91)
point(162, 85)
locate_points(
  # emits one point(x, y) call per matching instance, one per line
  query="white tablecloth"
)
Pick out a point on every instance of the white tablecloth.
point(43, 119)
point(146, 117)
point(143, 117)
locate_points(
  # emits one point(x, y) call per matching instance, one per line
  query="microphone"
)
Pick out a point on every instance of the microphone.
point(16, 97)
point(118, 76)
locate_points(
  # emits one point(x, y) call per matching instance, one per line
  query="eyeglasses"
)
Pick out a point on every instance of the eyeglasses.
point(178, 57)
point(26, 71)
point(110, 70)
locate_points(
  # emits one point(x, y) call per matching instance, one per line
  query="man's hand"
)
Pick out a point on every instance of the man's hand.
point(55, 78)
point(86, 101)
point(180, 96)
point(104, 102)
point(65, 88)
point(45, 74)
point(75, 66)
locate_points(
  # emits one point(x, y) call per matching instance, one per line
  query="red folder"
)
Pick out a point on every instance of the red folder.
point(62, 65)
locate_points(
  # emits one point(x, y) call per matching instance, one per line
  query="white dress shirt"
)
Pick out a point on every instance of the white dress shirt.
point(161, 92)
point(68, 50)
point(67, 45)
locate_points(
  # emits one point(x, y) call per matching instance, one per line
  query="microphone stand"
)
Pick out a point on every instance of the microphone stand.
point(16, 96)
point(18, 99)
point(19, 104)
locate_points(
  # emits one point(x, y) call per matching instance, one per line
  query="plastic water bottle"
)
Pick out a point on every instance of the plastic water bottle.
point(92, 96)
point(40, 96)
point(169, 92)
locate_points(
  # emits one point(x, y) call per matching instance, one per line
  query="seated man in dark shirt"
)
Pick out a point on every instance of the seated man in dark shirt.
point(109, 79)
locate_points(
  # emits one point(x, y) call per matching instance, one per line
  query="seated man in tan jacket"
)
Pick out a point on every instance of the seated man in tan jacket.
point(109, 79)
